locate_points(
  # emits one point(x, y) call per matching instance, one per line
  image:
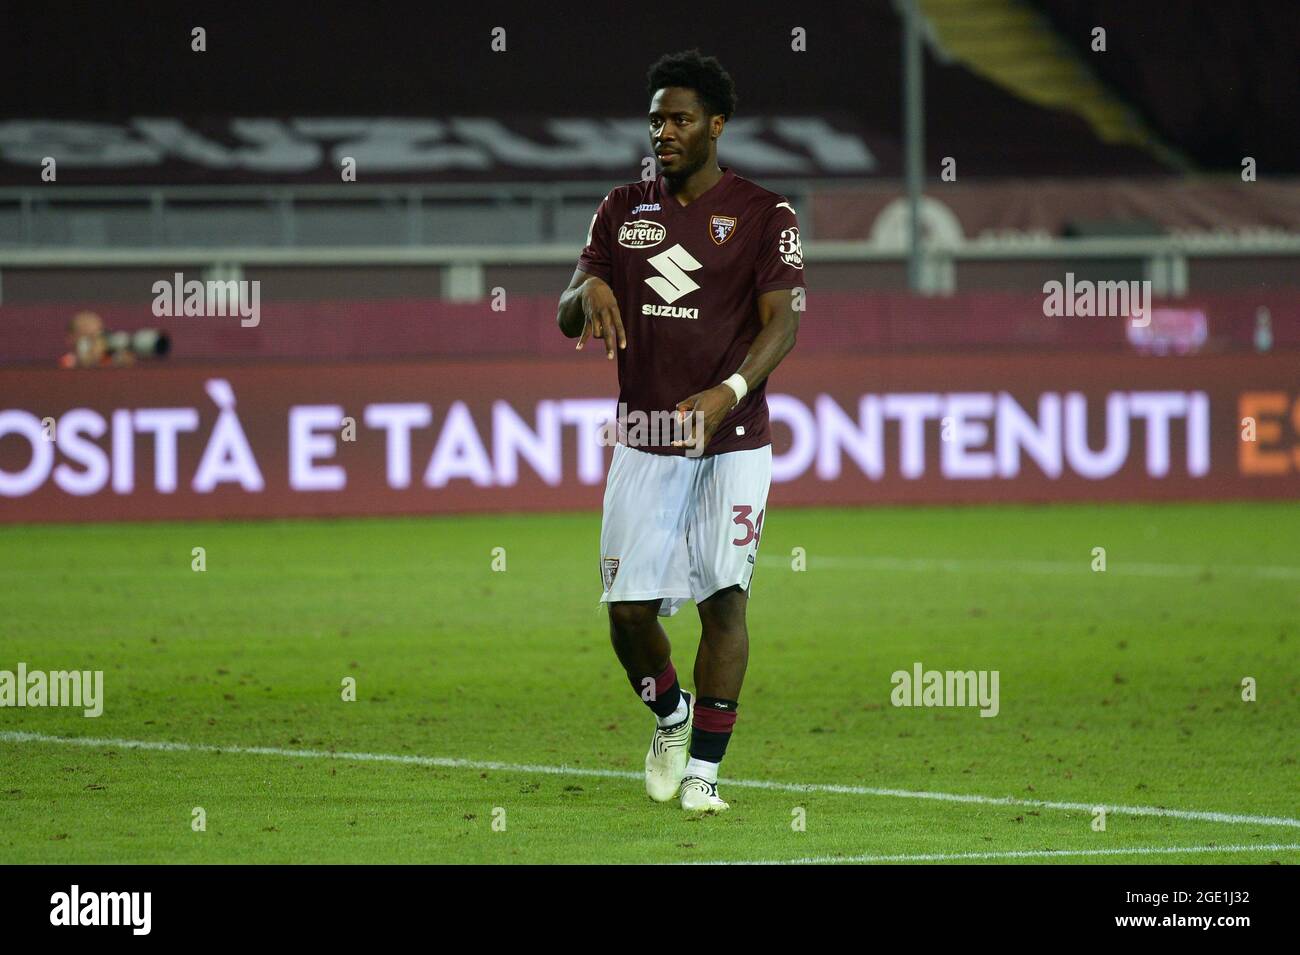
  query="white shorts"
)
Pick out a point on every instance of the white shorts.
point(681, 528)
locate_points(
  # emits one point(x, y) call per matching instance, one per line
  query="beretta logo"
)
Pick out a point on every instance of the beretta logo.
point(641, 234)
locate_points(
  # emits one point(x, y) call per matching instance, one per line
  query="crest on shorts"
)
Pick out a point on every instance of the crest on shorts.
point(608, 570)
point(721, 227)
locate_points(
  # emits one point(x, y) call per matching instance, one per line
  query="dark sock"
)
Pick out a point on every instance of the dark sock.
point(711, 728)
point(667, 691)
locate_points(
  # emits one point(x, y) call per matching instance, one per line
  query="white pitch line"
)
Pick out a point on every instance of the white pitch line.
point(992, 565)
point(447, 762)
point(1012, 854)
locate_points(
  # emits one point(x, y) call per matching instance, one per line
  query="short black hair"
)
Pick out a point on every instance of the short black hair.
point(703, 74)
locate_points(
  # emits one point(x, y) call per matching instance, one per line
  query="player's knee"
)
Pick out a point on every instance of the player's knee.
point(724, 610)
point(629, 618)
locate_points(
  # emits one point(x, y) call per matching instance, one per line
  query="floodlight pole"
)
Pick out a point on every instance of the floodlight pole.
point(913, 136)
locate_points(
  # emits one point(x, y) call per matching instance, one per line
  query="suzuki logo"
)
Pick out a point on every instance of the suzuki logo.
point(672, 282)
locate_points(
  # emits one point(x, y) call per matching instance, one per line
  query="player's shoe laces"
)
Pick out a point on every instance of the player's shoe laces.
point(665, 763)
point(700, 795)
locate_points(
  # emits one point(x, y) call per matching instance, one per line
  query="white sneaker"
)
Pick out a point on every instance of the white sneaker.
point(700, 795)
point(665, 763)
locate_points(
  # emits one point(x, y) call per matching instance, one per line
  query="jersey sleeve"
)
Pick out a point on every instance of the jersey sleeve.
point(597, 254)
point(780, 255)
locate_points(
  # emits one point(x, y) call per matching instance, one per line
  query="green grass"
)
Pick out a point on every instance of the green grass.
point(1118, 688)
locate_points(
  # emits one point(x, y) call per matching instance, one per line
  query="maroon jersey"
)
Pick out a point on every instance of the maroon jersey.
point(687, 280)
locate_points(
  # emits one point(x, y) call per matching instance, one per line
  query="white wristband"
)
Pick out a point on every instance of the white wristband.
point(738, 384)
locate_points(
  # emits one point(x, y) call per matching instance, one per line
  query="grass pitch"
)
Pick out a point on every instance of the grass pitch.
point(1120, 688)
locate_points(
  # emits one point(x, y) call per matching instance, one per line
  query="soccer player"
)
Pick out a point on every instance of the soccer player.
point(691, 280)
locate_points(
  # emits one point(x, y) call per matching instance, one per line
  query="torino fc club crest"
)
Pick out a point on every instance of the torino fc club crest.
point(721, 227)
point(608, 571)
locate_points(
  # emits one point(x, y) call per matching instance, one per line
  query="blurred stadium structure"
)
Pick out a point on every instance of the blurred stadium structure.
point(1171, 157)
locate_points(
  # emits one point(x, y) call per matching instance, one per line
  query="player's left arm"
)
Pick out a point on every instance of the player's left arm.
point(780, 323)
point(778, 279)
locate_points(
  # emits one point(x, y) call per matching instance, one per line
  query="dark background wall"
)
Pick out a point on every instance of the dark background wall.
point(404, 58)
point(1217, 79)
point(113, 61)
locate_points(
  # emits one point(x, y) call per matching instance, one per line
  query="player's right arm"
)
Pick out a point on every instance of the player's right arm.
point(588, 307)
